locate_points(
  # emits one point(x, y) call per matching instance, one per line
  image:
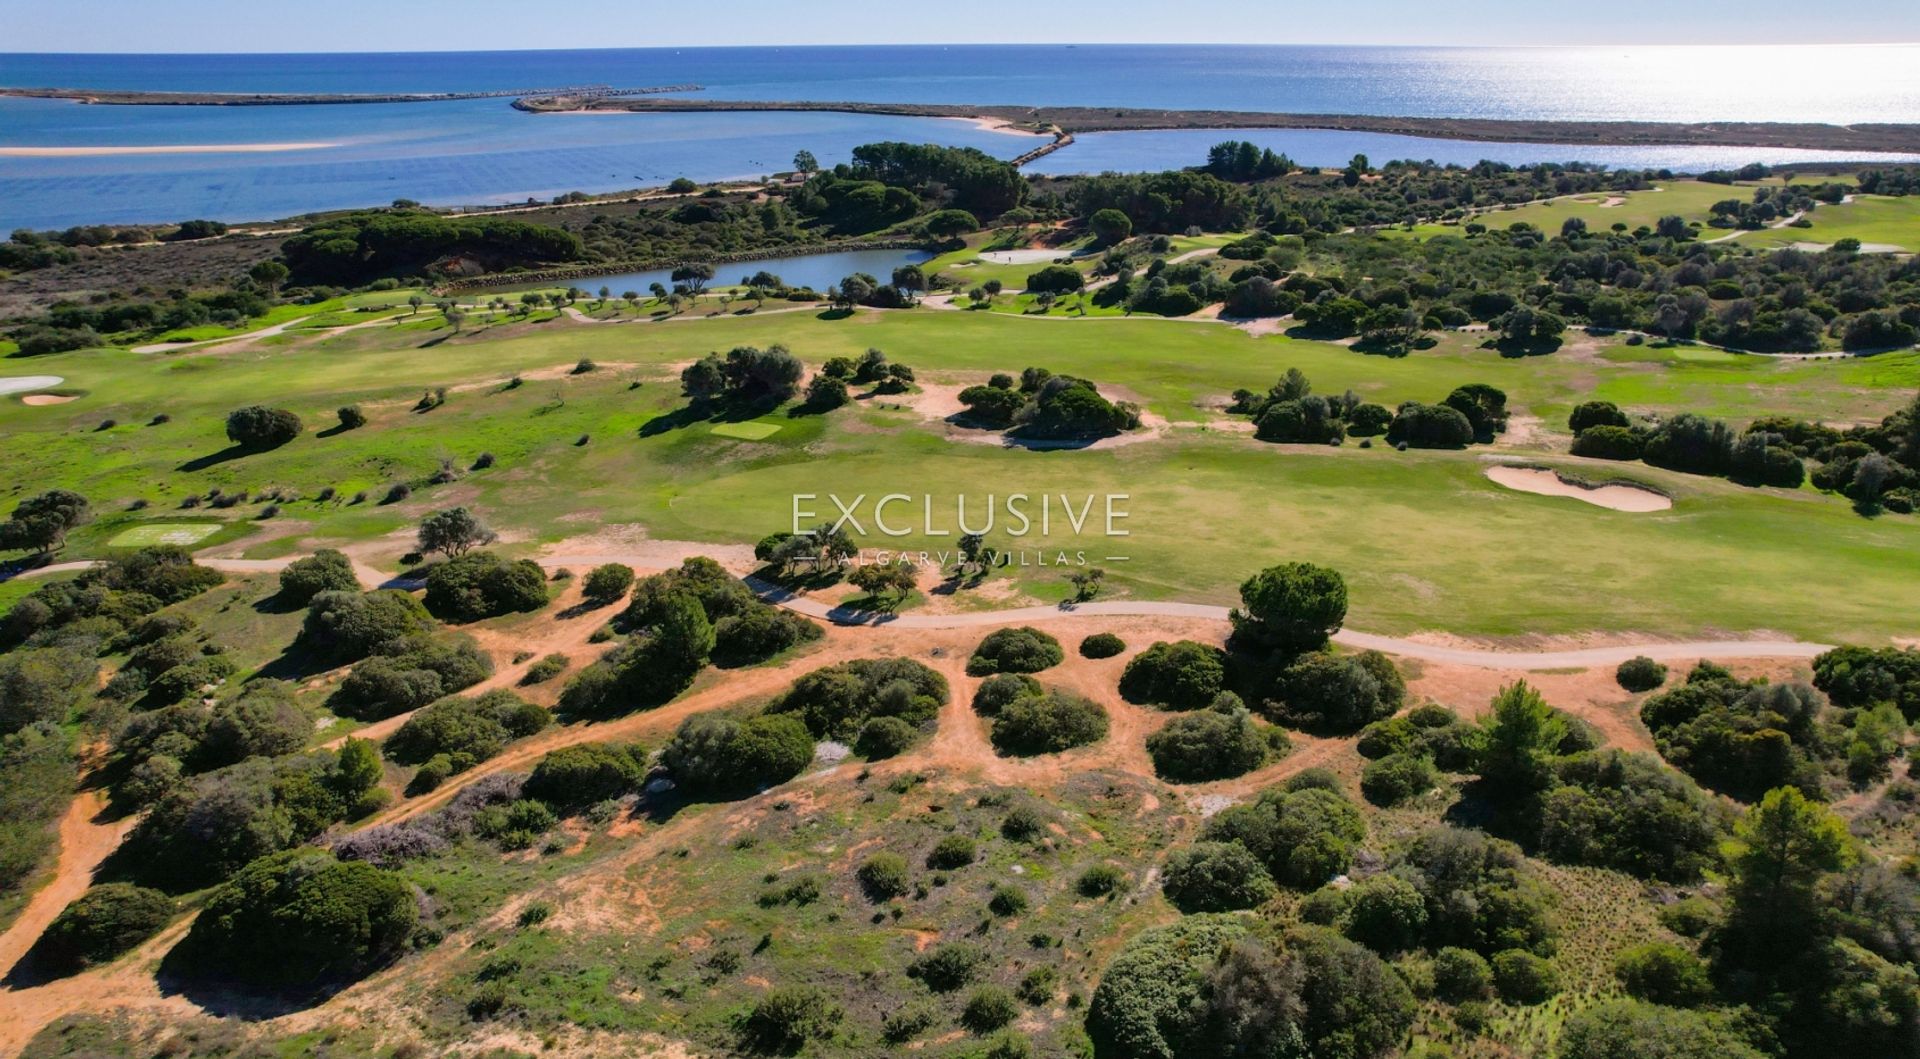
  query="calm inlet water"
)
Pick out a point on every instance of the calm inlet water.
point(482, 151)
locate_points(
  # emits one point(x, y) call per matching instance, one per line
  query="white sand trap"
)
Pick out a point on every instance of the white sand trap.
point(1548, 483)
point(1022, 257)
point(23, 383)
point(38, 400)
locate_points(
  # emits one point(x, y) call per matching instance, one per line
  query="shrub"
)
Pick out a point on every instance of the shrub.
point(1015, 650)
point(1207, 746)
point(906, 1023)
point(1461, 975)
point(952, 851)
point(1101, 880)
point(588, 773)
point(1663, 973)
point(714, 754)
point(789, 1016)
point(883, 876)
point(326, 570)
point(1037, 985)
point(302, 916)
point(1102, 645)
point(418, 670)
point(1626, 1029)
point(1608, 443)
point(259, 427)
point(606, 583)
point(1007, 900)
point(1340, 692)
point(1523, 978)
point(1184, 675)
point(1304, 837)
point(884, 737)
point(1022, 822)
point(344, 626)
point(1047, 723)
point(104, 922)
point(1640, 673)
point(947, 966)
point(471, 730)
point(1216, 877)
point(351, 417)
point(988, 1009)
point(480, 585)
point(1397, 777)
point(996, 691)
point(545, 669)
point(836, 701)
point(263, 721)
point(758, 634)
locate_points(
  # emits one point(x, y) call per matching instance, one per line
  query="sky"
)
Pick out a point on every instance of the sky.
point(481, 25)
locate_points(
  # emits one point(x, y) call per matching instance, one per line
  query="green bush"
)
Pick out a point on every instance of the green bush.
point(606, 583)
point(952, 851)
point(410, 673)
point(1383, 912)
point(836, 701)
point(1304, 837)
point(588, 773)
point(884, 737)
point(1007, 900)
point(1022, 823)
point(1184, 675)
point(42, 685)
point(1608, 443)
point(1628, 1029)
point(1291, 607)
point(259, 427)
point(1663, 973)
point(302, 916)
point(1461, 975)
point(883, 877)
point(345, 626)
point(1015, 650)
point(326, 570)
point(1523, 978)
point(714, 754)
point(545, 669)
point(1216, 877)
point(1047, 724)
point(1102, 645)
point(1339, 693)
point(480, 585)
point(790, 1016)
point(996, 691)
point(948, 965)
point(759, 633)
point(989, 1008)
point(1101, 880)
point(1397, 777)
point(474, 729)
point(104, 922)
point(1640, 673)
point(1207, 745)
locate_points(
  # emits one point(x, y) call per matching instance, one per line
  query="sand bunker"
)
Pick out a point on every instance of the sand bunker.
point(39, 399)
point(23, 383)
point(1548, 483)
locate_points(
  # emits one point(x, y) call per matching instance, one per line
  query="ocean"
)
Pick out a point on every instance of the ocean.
point(483, 151)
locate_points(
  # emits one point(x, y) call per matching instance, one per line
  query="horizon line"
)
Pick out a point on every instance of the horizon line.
point(988, 44)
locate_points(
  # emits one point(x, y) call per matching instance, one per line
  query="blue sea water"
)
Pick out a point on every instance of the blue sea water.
point(480, 151)
point(818, 271)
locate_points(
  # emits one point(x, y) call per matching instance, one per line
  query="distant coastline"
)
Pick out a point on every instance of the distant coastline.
point(120, 97)
point(1066, 121)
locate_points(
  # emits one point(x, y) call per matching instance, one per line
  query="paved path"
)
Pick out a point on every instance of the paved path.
point(1489, 658)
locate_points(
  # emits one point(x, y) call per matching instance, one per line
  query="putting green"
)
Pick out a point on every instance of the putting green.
point(181, 534)
point(749, 431)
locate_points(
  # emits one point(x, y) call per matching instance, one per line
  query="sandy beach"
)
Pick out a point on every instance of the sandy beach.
point(172, 148)
point(1002, 125)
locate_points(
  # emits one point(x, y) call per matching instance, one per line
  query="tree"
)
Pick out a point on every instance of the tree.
point(1521, 736)
point(588, 773)
point(1110, 226)
point(476, 585)
point(104, 922)
point(1015, 650)
point(1778, 856)
point(1294, 606)
point(1209, 745)
point(269, 274)
point(606, 583)
point(1628, 1029)
point(714, 754)
point(804, 163)
point(895, 579)
point(1182, 675)
point(260, 427)
point(453, 532)
point(42, 522)
point(1216, 877)
point(910, 278)
point(695, 274)
point(1663, 973)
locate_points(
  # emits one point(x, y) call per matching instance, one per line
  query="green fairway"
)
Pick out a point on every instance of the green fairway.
point(1426, 541)
point(1689, 199)
point(1879, 222)
point(180, 534)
